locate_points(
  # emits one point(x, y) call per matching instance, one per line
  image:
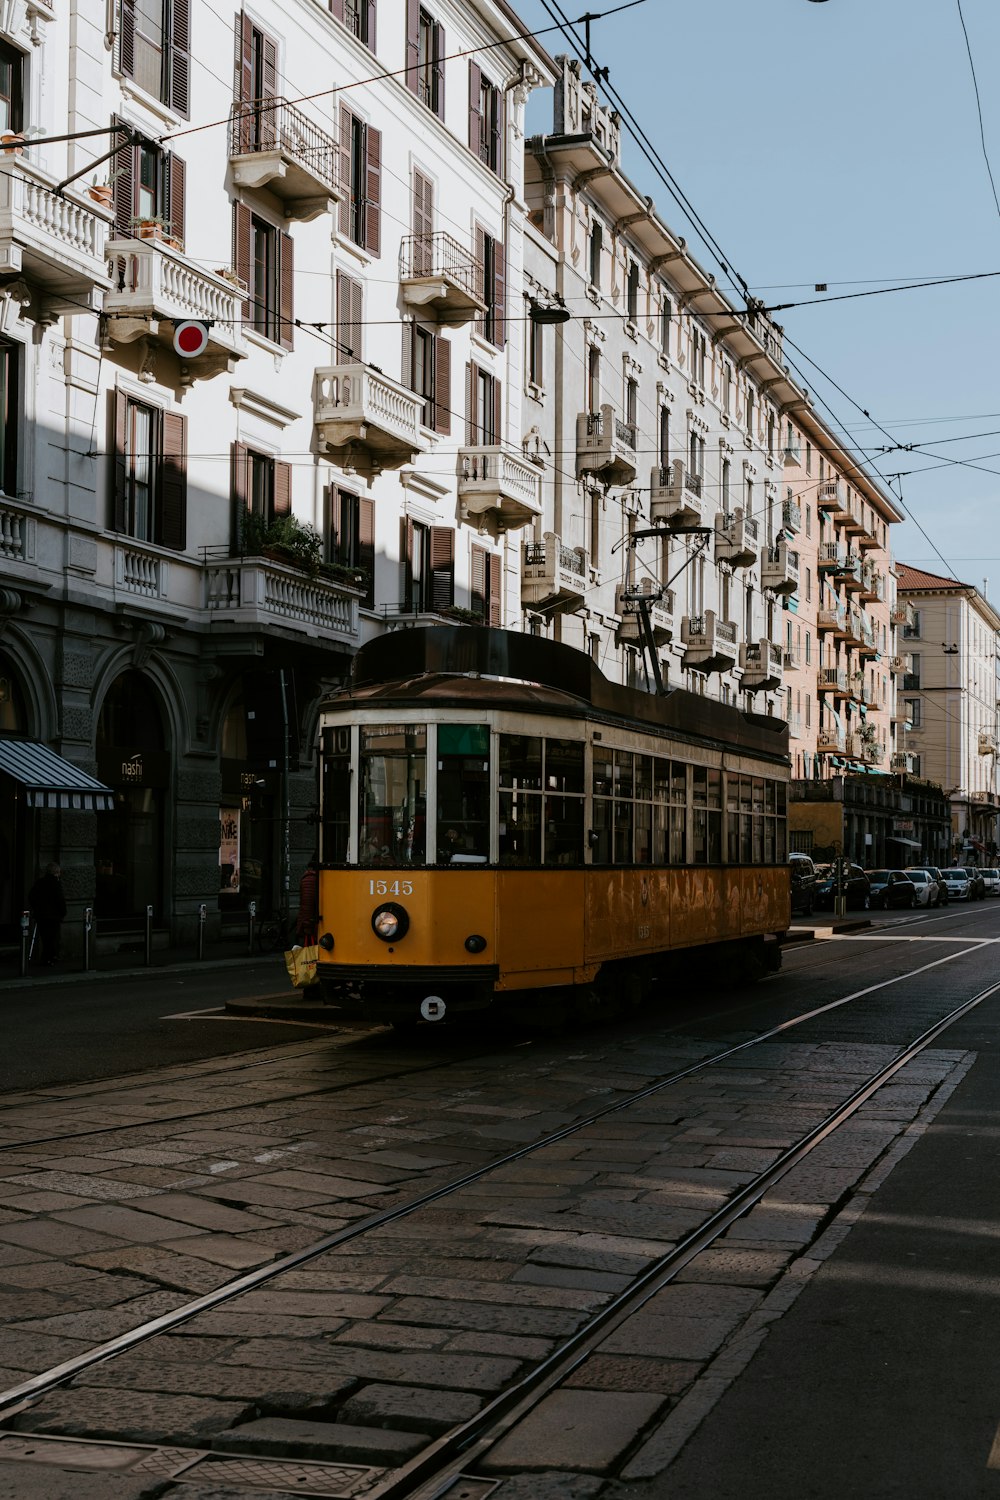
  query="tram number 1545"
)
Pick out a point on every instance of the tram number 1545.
point(390, 887)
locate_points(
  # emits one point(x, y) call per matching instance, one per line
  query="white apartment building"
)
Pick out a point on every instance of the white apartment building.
point(334, 193)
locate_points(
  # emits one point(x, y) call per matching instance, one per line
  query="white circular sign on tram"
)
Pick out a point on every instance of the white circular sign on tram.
point(432, 1008)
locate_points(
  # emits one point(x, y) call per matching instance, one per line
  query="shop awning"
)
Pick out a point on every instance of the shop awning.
point(898, 839)
point(49, 781)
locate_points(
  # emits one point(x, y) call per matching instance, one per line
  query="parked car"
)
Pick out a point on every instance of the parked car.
point(942, 884)
point(854, 885)
point(926, 887)
point(890, 888)
point(976, 882)
point(992, 880)
point(959, 886)
point(803, 873)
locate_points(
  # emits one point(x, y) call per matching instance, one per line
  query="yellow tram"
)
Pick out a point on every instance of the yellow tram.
point(502, 824)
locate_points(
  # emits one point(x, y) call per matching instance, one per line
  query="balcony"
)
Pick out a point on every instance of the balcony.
point(903, 613)
point(848, 571)
point(901, 716)
point(792, 662)
point(273, 144)
point(855, 627)
point(494, 479)
point(779, 569)
point(830, 557)
point(900, 665)
point(53, 239)
point(832, 680)
point(439, 274)
point(553, 575)
point(866, 538)
point(794, 722)
point(736, 537)
point(250, 593)
point(902, 760)
point(832, 497)
point(710, 643)
point(18, 532)
point(763, 670)
point(984, 796)
point(792, 454)
point(605, 447)
point(872, 584)
point(367, 420)
point(832, 621)
point(986, 742)
point(156, 287)
point(659, 603)
point(675, 497)
point(831, 741)
point(791, 515)
point(868, 644)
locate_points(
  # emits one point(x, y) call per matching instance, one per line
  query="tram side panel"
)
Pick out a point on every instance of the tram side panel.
point(540, 927)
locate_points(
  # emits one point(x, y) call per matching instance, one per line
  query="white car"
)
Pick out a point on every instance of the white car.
point(958, 883)
point(991, 879)
point(927, 889)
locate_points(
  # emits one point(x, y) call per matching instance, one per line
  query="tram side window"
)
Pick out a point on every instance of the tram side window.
point(678, 813)
point(463, 794)
point(706, 799)
point(733, 818)
point(563, 831)
point(336, 824)
point(393, 793)
point(520, 799)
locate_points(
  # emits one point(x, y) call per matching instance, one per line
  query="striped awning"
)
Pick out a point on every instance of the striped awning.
point(49, 781)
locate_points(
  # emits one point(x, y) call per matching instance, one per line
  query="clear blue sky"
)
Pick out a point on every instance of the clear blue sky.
point(839, 143)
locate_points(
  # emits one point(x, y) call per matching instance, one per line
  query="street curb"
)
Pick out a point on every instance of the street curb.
point(89, 976)
point(275, 1009)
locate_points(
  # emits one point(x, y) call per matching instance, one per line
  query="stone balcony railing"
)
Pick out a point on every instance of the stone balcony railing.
point(710, 644)
point(779, 569)
point(675, 496)
point(553, 574)
point(791, 515)
point(763, 666)
point(606, 447)
point(273, 144)
point(659, 604)
point(498, 480)
point(252, 592)
point(364, 417)
point(18, 524)
point(155, 286)
point(56, 240)
point(736, 538)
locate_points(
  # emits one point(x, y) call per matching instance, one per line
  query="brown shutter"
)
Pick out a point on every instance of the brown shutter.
point(240, 490)
point(124, 167)
point(349, 319)
point(483, 292)
point(370, 8)
point(119, 491)
point(475, 115)
point(498, 131)
point(442, 567)
point(442, 385)
point(286, 309)
point(244, 81)
point(180, 48)
point(423, 225)
point(471, 413)
point(172, 510)
point(126, 39)
point(406, 366)
point(498, 293)
point(282, 488)
point(175, 196)
point(268, 127)
point(373, 190)
point(337, 9)
point(477, 584)
point(344, 169)
point(412, 44)
point(406, 558)
point(439, 57)
point(366, 547)
point(495, 567)
point(242, 262)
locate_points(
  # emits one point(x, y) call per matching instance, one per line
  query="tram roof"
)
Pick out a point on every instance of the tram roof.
point(503, 668)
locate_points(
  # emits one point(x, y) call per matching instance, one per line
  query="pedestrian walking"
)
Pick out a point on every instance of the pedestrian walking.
point(48, 907)
point(308, 918)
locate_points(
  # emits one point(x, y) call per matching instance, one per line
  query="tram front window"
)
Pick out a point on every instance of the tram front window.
point(393, 818)
point(463, 794)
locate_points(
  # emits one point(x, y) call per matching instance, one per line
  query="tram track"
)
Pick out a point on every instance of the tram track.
point(451, 1453)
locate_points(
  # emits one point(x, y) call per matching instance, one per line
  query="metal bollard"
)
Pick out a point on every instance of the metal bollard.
point(88, 922)
point(149, 936)
point(202, 913)
point(25, 931)
point(251, 916)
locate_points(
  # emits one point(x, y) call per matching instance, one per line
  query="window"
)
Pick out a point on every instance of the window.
point(425, 52)
point(809, 458)
point(463, 793)
point(696, 455)
point(427, 554)
point(914, 711)
point(148, 184)
point(486, 120)
point(809, 520)
point(393, 795)
point(596, 248)
point(727, 388)
point(483, 397)
point(541, 801)
point(750, 401)
point(492, 286)
point(536, 353)
point(593, 379)
point(153, 48)
point(257, 83)
point(633, 293)
point(263, 257)
point(727, 469)
point(11, 88)
point(911, 679)
point(664, 443)
point(352, 537)
point(666, 324)
point(427, 371)
point(150, 477)
point(911, 630)
point(262, 488)
point(487, 577)
point(10, 405)
point(809, 584)
point(360, 212)
point(358, 16)
point(699, 348)
point(632, 402)
point(809, 642)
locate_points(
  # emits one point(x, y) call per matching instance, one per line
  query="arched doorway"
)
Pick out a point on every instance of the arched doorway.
point(133, 758)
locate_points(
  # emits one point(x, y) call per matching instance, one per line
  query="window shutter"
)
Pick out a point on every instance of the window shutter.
point(344, 169)
point(119, 493)
point(423, 224)
point(442, 567)
point(172, 509)
point(240, 490)
point(482, 291)
point(498, 131)
point(180, 63)
point(126, 38)
point(370, 12)
point(125, 163)
point(269, 90)
point(349, 317)
point(406, 558)
point(175, 195)
point(242, 263)
point(244, 81)
point(412, 45)
point(439, 57)
point(442, 385)
point(282, 489)
point(494, 565)
point(477, 589)
point(337, 9)
point(366, 547)
point(471, 402)
point(475, 115)
point(498, 293)
point(406, 367)
point(373, 190)
point(286, 309)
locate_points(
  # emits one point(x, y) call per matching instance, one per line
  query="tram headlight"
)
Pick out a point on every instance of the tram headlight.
point(390, 922)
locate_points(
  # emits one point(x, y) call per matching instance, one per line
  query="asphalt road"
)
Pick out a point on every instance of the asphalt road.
point(76, 1029)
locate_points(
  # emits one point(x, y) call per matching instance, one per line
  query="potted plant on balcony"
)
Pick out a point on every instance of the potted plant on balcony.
point(355, 578)
point(285, 539)
point(155, 227)
point(102, 193)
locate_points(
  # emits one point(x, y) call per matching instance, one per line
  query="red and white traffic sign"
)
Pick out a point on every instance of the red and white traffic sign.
point(190, 339)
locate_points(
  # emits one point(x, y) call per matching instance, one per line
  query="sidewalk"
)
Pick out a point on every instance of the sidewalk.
point(217, 955)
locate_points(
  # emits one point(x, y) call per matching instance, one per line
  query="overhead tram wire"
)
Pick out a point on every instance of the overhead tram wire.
point(979, 108)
